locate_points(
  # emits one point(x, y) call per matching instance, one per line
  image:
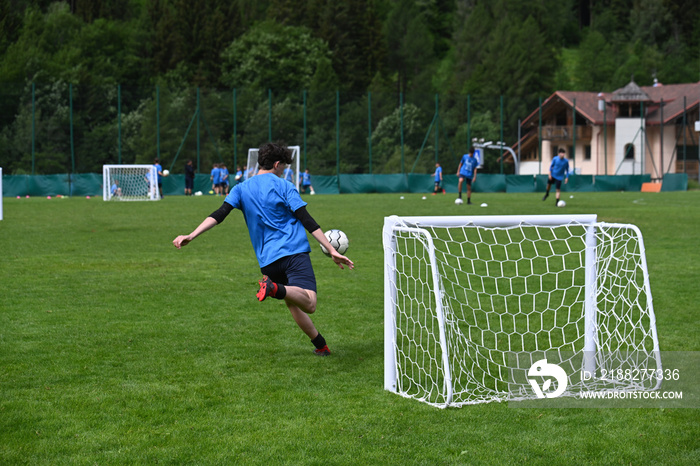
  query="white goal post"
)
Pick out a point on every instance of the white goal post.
point(130, 183)
point(252, 165)
point(473, 303)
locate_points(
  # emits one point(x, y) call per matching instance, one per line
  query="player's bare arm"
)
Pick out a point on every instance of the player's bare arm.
point(184, 240)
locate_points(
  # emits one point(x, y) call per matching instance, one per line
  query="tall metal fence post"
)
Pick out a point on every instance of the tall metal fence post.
point(661, 136)
point(469, 121)
point(437, 126)
point(158, 123)
point(369, 128)
point(119, 123)
point(685, 166)
point(337, 136)
point(573, 144)
point(500, 156)
point(403, 169)
point(33, 125)
point(539, 139)
point(605, 137)
point(269, 114)
point(198, 153)
point(235, 135)
point(72, 146)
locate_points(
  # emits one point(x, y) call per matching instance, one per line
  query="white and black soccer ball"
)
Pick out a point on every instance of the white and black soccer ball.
point(561, 204)
point(338, 240)
point(166, 172)
point(459, 201)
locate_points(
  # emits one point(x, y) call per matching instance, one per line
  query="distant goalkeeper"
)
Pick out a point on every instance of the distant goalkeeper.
point(276, 217)
point(558, 172)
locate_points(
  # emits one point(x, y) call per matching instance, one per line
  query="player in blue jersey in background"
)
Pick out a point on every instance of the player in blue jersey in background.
point(159, 170)
point(558, 172)
point(438, 179)
point(214, 177)
point(276, 217)
point(467, 172)
point(289, 174)
point(224, 179)
point(306, 182)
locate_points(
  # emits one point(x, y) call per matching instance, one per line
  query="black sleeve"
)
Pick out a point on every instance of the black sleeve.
point(303, 216)
point(223, 211)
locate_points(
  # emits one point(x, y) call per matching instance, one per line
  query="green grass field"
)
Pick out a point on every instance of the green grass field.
point(116, 348)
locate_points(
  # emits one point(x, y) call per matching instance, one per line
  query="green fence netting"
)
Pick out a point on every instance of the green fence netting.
point(90, 184)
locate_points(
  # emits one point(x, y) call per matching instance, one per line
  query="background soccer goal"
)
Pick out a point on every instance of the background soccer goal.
point(253, 163)
point(472, 302)
point(130, 183)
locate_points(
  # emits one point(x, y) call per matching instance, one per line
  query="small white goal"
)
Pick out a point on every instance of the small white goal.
point(253, 164)
point(473, 304)
point(130, 183)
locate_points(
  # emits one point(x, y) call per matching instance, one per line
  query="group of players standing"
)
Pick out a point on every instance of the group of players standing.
point(558, 174)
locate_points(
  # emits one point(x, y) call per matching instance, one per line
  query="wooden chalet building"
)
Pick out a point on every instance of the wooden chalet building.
point(633, 130)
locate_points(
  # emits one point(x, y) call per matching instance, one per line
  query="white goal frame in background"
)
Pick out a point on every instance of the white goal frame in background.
point(253, 162)
point(137, 182)
point(468, 301)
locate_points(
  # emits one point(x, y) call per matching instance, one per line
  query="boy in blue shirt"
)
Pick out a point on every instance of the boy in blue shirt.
point(467, 171)
point(438, 179)
point(276, 217)
point(558, 172)
point(159, 170)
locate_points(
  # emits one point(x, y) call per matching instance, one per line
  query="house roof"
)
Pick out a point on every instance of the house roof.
point(671, 95)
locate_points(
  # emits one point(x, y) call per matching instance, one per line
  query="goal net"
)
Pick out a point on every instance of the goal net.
point(130, 183)
point(253, 164)
point(475, 305)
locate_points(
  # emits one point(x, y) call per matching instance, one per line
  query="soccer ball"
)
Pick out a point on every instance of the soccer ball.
point(561, 204)
point(459, 201)
point(338, 240)
point(166, 172)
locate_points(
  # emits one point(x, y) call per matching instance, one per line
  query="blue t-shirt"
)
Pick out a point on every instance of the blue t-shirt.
point(223, 173)
point(216, 175)
point(306, 179)
point(438, 174)
point(268, 203)
point(468, 166)
point(559, 169)
point(289, 174)
point(159, 169)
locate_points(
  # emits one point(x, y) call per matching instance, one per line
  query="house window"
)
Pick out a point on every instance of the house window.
point(572, 153)
point(587, 152)
point(629, 151)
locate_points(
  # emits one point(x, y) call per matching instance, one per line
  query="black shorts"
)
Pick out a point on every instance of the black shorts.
point(468, 180)
point(294, 270)
point(189, 183)
point(555, 182)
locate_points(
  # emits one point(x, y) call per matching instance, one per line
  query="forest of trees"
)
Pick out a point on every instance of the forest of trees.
point(88, 82)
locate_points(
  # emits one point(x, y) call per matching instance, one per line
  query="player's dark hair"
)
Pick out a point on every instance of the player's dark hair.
point(471, 150)
point(561, 151)
point(270, 152)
